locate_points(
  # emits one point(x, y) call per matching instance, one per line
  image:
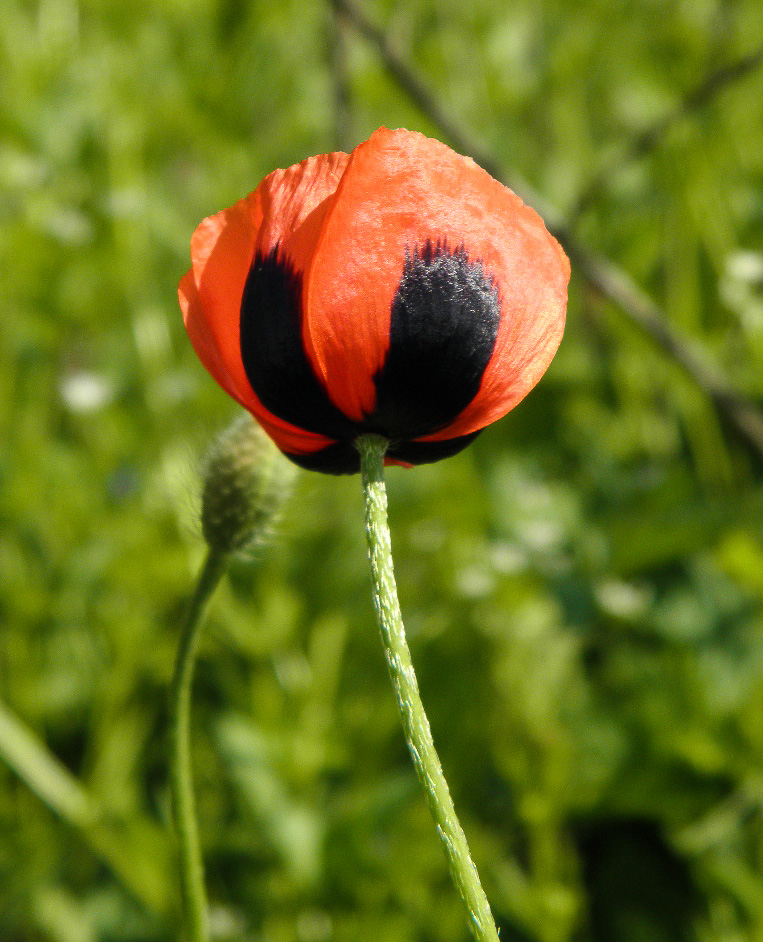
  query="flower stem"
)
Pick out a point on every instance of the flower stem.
point(417, 732)
point(191, 865)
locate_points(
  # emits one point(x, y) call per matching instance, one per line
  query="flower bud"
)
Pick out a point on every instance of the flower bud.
point(246, 483)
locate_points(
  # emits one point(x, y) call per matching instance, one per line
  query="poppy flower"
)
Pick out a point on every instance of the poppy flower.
point(397, 290)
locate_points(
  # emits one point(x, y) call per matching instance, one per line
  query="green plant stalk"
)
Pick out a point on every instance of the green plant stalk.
point(195, 912)
point(415, 724)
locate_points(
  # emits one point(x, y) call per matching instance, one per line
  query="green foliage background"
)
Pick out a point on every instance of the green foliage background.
point(582, 587)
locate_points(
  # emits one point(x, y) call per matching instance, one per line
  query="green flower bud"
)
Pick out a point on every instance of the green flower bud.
point(246, 483)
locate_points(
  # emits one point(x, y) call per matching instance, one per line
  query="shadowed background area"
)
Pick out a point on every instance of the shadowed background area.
point(582, 587)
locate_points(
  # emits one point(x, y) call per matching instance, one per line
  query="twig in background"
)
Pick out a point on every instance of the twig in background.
point(405, 76)
point(341, 86)
point(613, 283)
point(618, 287)
point(650, 137)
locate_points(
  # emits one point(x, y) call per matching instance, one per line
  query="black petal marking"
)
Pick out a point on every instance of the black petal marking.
point(427, 452)
point(343, 457)
point(340, 458)
point(445, 318)
point(274, 358)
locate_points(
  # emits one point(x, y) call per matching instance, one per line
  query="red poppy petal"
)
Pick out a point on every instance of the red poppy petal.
point(401, 190)
point(271, 313)
point(221, 252)
point(198, 333)
point(289, 438)
point(532, 324)
point(293, 202)
point(222, 248)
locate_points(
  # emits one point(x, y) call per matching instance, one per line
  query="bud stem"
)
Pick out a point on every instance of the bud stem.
point(195, 915)
point(415, 724)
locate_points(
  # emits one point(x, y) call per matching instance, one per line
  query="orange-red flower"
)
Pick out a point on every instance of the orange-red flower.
point(399, 290)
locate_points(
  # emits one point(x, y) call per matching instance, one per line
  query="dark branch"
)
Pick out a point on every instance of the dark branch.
point(342, 94)
point(618, 287)
point(649, 138)
point(413, 85)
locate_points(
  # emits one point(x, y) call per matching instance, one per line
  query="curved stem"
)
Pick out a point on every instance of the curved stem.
point(415, 723)
point(181, 776)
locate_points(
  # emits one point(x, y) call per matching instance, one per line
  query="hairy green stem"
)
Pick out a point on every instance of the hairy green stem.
point(190, 860)
point(417, 733)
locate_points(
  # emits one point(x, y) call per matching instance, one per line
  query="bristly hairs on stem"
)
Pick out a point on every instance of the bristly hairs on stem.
point(415, 723)
point(246, 483)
